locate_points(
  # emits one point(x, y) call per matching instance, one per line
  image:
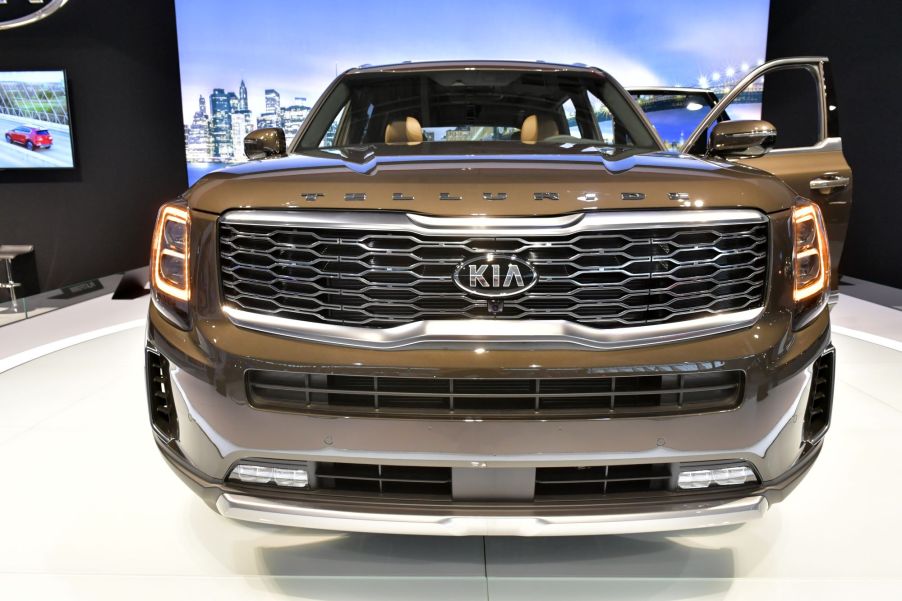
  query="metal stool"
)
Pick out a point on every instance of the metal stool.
point(8, 252)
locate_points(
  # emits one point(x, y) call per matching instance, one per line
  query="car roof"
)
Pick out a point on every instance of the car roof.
point(410, 66)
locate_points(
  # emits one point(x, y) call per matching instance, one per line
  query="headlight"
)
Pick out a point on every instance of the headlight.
point(170, 259)
point(810, 256)
point(169, 254)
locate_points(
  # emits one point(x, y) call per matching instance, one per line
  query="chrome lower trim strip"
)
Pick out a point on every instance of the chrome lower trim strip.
point(253, 509)
point(492, 333)
point(494, 226)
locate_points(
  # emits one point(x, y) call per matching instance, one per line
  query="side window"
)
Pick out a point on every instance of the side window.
point(674, 116)
point(329, 139)
point(603, 117)
point(791, 101)
point(570, 116)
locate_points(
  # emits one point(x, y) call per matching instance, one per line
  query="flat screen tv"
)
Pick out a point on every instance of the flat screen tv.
point(35, 123)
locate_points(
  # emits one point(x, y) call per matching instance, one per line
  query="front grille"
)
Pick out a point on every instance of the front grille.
point(389, 396)
point(378, 279)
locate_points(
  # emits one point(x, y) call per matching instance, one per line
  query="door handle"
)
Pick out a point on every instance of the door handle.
point(828, 181)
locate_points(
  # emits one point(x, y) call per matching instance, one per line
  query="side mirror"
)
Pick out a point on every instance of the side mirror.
point(742, 138)
point(265, 143)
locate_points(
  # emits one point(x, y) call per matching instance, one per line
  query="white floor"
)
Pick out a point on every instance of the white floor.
point(90, 511)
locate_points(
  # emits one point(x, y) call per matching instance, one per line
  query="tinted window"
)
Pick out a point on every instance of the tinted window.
point(481, 105)
point(792, 103)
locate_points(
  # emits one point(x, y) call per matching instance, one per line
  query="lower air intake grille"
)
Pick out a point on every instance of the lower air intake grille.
point(159, 395)
point(374, 396)
point(550, 482)
point(602, 480)
point(384, 479)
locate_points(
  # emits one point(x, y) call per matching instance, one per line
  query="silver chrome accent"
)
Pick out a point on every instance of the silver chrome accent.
point(449, 196)
point(491, 226)
point(492, 333)
point(355, 196)
point(494, 196)
point(38, 14)
point(758, 133)
point(828, 181)
point(632, 196)
point(311, 196)
point(484, 277)
point(253, 509)
point(401, 196)
point(546, 196)
point(588, 197)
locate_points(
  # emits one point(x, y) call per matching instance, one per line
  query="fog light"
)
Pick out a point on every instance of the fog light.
point(725, 476)
point(296, 478)
point(265, 474)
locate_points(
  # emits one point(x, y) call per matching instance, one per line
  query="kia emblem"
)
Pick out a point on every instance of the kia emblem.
point(495, 276)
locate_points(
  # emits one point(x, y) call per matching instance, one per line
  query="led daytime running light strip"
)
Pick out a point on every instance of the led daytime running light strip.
point(179, 215)
point(810, 212)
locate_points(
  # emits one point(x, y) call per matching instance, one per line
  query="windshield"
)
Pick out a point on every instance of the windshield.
point(476, 106)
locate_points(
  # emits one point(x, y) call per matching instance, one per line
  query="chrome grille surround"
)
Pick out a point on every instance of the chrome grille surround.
point(383, 279)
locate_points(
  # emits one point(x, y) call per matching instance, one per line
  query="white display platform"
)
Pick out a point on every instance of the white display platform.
point(90, 511)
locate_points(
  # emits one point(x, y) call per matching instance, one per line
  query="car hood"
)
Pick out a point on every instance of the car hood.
point(514, 180)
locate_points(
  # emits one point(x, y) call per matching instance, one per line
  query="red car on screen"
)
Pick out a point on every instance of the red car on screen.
point(31, 138)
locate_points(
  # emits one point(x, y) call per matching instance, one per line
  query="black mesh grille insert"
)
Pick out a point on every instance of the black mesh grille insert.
point(159, 395)
point(380, 279)
point(503, 398)
point(384, 479)
point(820, 399)
point(550, 483)
point(602, 480)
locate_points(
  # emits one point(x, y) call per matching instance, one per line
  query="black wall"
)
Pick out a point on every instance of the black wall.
point(862, 41)
point(122, 63)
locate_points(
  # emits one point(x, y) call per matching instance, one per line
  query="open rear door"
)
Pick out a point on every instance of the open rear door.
point(796, 96)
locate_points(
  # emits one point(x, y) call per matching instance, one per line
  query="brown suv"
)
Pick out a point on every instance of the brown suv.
point(480, 298)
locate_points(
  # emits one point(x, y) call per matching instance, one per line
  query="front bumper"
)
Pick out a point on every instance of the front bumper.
point(678, 512)
point(216, 427)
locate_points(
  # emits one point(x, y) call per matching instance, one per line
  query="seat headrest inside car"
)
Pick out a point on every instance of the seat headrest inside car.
point(537, 127)
point(406, 131)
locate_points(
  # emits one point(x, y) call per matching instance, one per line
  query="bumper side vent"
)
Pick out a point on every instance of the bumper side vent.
point(820, 399)
point(159, 395)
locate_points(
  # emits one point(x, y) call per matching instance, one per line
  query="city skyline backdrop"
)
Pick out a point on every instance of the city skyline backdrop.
point(640, 43)
point(297, 49)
